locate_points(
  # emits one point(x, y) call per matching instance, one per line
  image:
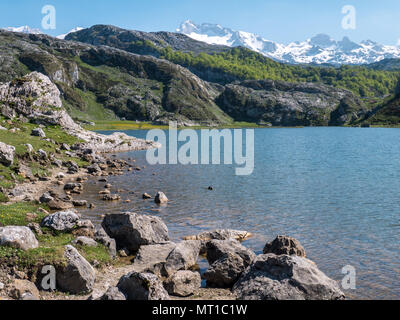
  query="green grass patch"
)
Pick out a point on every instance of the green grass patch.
point(123, 125)
point(8, 175)
point(133, 125)
point(15, 214)
point(92, 254)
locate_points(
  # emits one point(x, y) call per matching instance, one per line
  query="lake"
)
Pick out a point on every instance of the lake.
point(337, 190)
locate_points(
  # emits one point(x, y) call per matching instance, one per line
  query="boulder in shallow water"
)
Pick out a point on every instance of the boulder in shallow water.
point(285, 245)
point(131, 230)
point(161, 198)
point(283, 277)
point(142, 286)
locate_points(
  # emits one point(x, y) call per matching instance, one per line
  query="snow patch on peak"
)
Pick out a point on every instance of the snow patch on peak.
point(24, 29)
point(62, 36)
point(319, 49)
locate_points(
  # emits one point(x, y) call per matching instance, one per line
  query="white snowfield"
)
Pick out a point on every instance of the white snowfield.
point(29, 30)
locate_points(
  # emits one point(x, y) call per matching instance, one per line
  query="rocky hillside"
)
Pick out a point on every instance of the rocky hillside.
point(100, 82)
point(239, 63)
point(37, 135)
point(386, 114)
point(279, 103)
point(135, 41)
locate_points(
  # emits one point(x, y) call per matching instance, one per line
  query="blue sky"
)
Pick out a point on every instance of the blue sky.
point(278, 20)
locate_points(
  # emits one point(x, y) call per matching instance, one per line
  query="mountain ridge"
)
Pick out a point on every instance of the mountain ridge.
point(320, 49)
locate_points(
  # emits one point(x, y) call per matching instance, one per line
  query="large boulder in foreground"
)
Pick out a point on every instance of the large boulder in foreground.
point(217, 249)
point(102, 237)
point(228, 259)
point(142, 286)
point(131, 230)
point(224, 272)
point(7, 154)
point(285, 245)
point(23, 290)
point(183, 283)
point(112, 294)
point(18, 237)
point(77, 276)
point(64, 221)
point(152, 258)
point(183, 257)
point(272, 277)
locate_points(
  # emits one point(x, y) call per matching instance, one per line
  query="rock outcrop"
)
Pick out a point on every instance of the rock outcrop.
point(217, 249)
point(131, 230)
point(272, 277)
point(228, 259)
point(152, 258)
point(23, 290)
point(225, 271)
point(77, 276)
point(64, 221)
point(285, 245)
point(280, 103)
point(183, 257)
point(149, 89)
point(142, 286)
point(183, 283)
point(112, 294)
point(221, 234)
point(101, 237)
point(7, 154)
point(18, 237)
point(37, 98)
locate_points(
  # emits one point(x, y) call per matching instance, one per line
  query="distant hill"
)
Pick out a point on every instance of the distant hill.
point(105, 72)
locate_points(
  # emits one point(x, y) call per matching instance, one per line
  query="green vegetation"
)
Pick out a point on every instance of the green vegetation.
point(123, 125)
point(51, 244)
point(21, 136)
point(15, 214)
point(133, 125)
point(245, 64)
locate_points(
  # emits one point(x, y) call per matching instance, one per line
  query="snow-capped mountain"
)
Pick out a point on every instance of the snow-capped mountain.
point(23, 29)
point(319, 49)
point(62, 36)
point(29, 30)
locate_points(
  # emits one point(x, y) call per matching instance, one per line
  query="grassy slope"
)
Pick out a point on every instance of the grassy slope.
point(9, 175)
point(51, 245)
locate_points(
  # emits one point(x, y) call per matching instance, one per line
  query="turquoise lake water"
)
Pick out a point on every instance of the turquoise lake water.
point(337, 190)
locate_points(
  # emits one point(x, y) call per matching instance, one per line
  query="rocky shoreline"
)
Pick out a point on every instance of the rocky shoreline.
point(49, 251)
point(143, 254)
